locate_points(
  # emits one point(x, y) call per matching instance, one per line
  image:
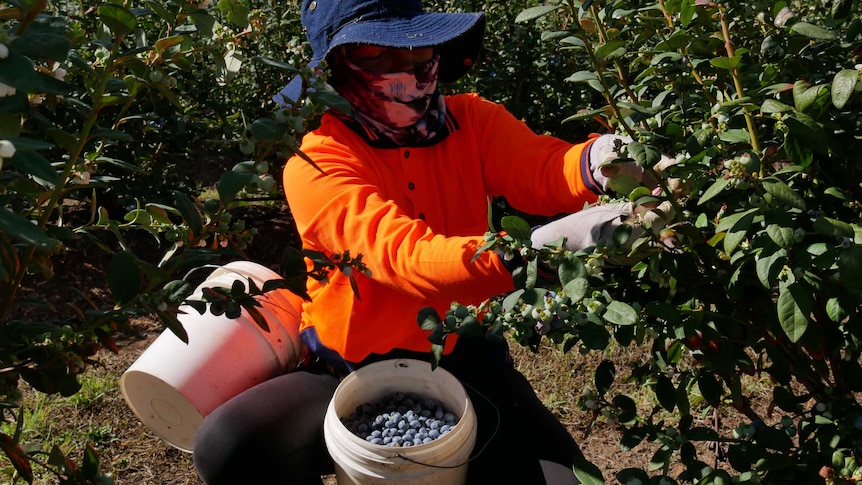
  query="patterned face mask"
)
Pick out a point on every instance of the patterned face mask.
point(402, 106)
point(396, 100)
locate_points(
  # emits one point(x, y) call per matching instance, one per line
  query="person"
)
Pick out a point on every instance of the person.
point(404, 179)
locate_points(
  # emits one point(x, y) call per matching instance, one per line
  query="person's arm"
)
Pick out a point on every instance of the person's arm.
point(538, 174)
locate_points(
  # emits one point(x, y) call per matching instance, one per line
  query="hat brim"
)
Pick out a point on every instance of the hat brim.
point(459, 37)
point(462, 31)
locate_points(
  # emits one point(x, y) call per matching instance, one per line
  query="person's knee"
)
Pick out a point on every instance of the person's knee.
point(215, 449)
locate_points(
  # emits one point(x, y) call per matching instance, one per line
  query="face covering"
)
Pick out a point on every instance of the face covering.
point(402, 106)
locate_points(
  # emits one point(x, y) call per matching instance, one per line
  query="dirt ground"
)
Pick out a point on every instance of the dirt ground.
point(135, 456)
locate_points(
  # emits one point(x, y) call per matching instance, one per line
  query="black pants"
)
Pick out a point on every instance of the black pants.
point(273, 432)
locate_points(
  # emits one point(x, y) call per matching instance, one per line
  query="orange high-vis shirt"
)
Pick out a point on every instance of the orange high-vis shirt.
point(417, 216)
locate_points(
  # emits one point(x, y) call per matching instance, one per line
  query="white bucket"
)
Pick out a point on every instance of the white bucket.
point(173, 386)
point(442, 461)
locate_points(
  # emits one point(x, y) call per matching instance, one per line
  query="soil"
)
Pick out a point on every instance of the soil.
point(134, 455)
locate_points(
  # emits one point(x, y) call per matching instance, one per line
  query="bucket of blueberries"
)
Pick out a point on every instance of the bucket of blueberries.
point(402, 422)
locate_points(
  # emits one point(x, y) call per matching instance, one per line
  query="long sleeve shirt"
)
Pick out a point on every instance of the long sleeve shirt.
point(417, 215)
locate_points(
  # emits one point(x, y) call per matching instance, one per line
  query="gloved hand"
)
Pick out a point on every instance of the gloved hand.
point(605, 150)
point(587, 228)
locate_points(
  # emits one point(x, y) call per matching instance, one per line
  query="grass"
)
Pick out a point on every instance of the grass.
point(67, 423)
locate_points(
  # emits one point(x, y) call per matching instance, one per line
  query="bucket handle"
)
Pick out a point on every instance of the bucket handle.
point(474, 455)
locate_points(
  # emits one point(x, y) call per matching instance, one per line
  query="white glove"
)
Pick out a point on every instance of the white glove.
point(604, 151)
point(585, 229)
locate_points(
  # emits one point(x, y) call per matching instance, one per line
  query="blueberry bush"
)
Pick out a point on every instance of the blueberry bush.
point(108, 114)
point(743, 265)
point(111, 115)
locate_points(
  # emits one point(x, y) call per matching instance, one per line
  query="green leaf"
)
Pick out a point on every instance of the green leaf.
point(735, 136)
point(647, 110)
point(594, 336)
point(288, 68)
point(783, 193)
point(119, 19)
point(773, 438)
point(627, 408)
point(122, 164)
point(808, 131)
point(798, 151)
point(586, 472)
point(660, 458)
point(665, 392)
point(812, 31)
point(124, 277)
point(794, 321)
point(572, 42)
point(805, 96)
point(18, 71)
point(20, 228)
point(841, 9)
point(29, 143)
point(516, 227)
point(701, 433)
point(843, 86)
point(204, 23)
point(428, 319)
point(333, 100)
point(630, 439)
point(582, 76)
point(534, 13)
point(782, 236)
point(43, 45)
point(710, 388)
point(236, 12)
point(770, 106)
point(189, 212)
point(266, 129)
point(32, 163)
point(109, 134)
point(716, 188)
point(17, 103)
point(620, 313)
point(611, 50)
point(571, 268)
point(834, 310)
point(849, 269)
point(231, 183)
point(645, 155)
point(549, 35)
point(729, 63)
point(833, 227)
point(586, 114)
point(511, 300)
point(736, 222)
point(576, 289)
point(604, 377)
point(768, 267)
point(784, 399)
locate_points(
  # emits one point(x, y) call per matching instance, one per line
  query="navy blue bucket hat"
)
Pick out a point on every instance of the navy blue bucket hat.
point(389, 23)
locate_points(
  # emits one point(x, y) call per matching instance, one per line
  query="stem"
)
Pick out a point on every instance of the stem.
point(621, 72)
point(740, 92)
point(35, 10)
point(667, 15)
point(606, 90)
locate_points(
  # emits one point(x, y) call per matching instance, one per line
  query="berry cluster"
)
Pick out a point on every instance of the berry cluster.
point(401, 419)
